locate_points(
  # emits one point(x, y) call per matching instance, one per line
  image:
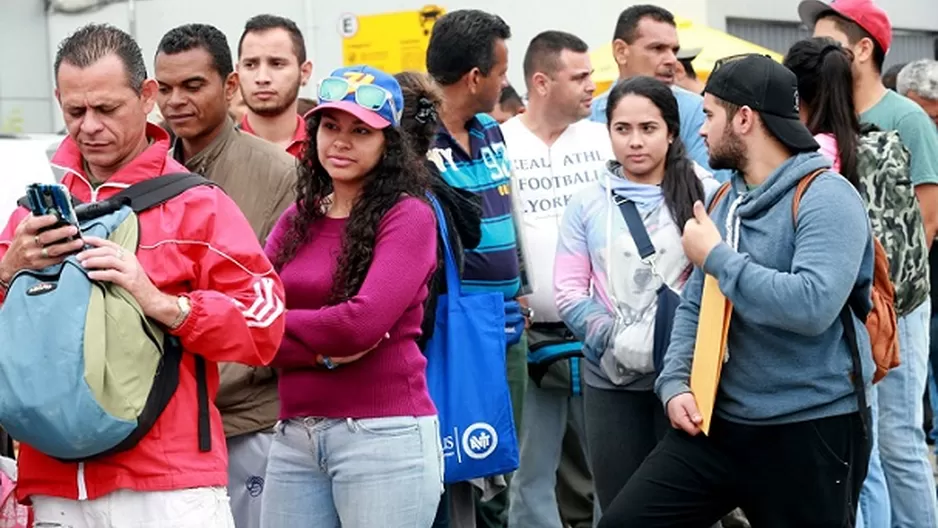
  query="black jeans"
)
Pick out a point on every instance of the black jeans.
point(805, 474)
point(622, 428)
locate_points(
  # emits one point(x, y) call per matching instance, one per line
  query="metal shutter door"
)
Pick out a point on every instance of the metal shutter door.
point(779, 36)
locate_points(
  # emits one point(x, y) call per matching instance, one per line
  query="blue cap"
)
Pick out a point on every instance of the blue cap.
point(389, 114)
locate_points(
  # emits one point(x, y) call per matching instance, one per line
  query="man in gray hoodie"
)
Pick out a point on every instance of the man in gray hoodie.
point(788, 441)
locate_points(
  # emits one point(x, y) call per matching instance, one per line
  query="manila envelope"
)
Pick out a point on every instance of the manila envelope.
point(712, 330)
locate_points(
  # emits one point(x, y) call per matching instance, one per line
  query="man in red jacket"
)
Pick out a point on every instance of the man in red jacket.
point(199, 272)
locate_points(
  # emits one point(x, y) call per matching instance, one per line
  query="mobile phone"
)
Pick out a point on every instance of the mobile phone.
point(52, 198)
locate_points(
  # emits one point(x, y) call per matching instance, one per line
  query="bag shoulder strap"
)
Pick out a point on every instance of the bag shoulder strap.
point(717, 196)
point(155, 191)
point(846, 317)
point(633, 220)
point(453, 286)
point(850, 334)
point(800, 190)
point(146, 195)
point(149, 193)
point(205, 424)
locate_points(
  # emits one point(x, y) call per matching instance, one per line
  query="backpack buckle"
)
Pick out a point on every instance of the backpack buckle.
point(652, 262)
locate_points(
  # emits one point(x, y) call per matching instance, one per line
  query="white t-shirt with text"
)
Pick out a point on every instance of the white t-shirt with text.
point(543, 181)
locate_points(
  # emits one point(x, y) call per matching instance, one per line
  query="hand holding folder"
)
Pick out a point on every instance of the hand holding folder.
point(709, 352)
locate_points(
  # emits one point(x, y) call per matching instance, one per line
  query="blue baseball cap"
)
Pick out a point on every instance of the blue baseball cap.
point(367, 93)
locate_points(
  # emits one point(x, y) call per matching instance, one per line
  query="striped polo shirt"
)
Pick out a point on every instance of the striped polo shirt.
point(485, 170)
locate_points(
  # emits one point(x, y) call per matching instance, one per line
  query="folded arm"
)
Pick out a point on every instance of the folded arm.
point(404, 258)
point(237, 312)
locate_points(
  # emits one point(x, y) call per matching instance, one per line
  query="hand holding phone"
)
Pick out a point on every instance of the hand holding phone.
point(36, 247)
point(53, 199)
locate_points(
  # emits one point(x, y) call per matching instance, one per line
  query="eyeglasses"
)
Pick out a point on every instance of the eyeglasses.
point(733, 58)
point(368, 96)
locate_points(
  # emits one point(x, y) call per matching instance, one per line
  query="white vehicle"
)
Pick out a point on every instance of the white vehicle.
point(24, 159)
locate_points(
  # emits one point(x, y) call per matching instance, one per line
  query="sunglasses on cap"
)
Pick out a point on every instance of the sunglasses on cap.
point(368, 96)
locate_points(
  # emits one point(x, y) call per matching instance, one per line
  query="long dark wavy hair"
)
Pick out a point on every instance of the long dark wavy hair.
point(398, 174)
point(825, 85)
point(680, 185)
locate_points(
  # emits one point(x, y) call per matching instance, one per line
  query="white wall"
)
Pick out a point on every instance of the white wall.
point(25, 78)
point(593, 20)
point(905, 14)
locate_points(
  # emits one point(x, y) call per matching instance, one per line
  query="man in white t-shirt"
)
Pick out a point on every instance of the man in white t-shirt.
point(555, 153)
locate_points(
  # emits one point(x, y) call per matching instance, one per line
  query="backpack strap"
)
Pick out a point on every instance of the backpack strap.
point(155, 191)
point(139, 196)
point(717, 196)
point(850, 334)
point(148, 194)
point(800, 190)
point(205, 425)
point(846, 316)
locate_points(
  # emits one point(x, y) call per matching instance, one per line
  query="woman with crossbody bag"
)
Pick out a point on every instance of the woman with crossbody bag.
point(618, 273)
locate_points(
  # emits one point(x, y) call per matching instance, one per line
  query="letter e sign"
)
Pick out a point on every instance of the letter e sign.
point(348, 25)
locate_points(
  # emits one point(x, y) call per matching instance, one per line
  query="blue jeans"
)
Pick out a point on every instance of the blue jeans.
point(873, 510)
point(367, 473)
point(902, 447)
point(533, 497)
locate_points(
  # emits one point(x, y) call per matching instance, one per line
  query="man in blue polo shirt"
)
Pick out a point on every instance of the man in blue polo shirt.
point(468, 58)
point(645, 42)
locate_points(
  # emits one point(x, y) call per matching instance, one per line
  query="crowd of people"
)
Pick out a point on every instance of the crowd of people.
point(302, 280)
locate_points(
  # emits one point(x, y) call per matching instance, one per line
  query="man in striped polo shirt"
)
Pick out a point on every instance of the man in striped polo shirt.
point(468, 58)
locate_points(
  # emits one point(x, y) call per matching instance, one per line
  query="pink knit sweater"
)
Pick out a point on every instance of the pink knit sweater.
point(391, 379)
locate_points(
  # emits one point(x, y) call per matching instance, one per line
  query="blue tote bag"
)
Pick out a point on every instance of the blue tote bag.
point(466, 378)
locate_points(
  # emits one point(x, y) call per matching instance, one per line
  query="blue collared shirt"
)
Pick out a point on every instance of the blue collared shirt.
point(485, 170)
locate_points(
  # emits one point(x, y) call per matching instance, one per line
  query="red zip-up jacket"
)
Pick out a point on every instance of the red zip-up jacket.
point(201, 246)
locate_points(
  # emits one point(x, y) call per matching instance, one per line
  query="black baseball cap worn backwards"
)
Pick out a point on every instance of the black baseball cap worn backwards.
point(770, 89)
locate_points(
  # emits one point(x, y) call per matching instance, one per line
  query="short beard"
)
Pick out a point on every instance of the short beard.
point(273, 111)
point(731, 155)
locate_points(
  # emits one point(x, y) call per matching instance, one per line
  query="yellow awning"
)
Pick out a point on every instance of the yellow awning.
point(714, 45)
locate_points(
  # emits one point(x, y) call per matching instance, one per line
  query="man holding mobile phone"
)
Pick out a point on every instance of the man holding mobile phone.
point(199, 296)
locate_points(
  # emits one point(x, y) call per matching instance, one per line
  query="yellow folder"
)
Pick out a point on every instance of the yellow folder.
point(712, 330)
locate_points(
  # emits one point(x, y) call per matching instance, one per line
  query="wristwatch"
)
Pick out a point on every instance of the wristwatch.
point(328, 363)
point(527, 312)
point(184, 308)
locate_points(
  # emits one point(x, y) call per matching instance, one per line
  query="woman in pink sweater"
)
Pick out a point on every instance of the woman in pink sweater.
point(358, 441)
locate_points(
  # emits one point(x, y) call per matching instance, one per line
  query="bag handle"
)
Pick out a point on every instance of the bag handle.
point(453, 285)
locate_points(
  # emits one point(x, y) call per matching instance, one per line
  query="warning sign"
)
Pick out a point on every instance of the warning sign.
point(392, 42)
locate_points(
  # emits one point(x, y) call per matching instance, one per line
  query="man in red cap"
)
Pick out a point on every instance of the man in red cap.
point(864, 28)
